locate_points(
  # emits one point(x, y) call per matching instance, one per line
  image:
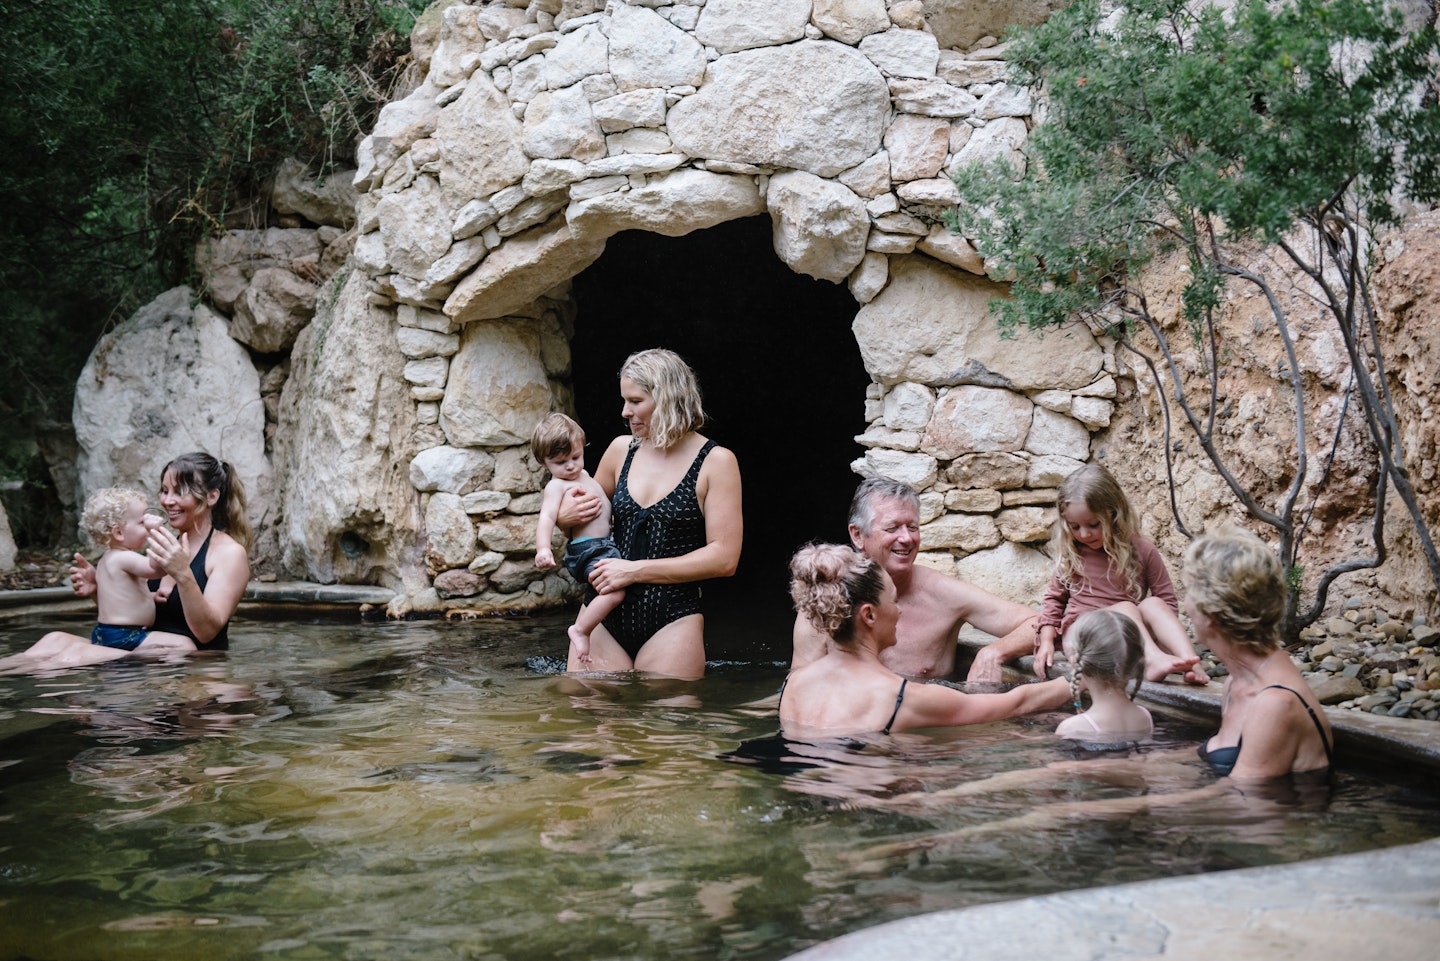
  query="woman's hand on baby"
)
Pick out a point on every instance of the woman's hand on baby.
point(172, 554)
point(613, 574)
point(577, 507)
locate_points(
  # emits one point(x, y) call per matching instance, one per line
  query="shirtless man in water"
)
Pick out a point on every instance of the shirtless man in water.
point(885, 526)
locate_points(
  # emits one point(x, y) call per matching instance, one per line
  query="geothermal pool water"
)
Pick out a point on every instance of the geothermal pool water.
point(435, 790)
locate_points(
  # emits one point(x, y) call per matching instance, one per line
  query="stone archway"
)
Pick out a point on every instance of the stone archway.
point(536, 140)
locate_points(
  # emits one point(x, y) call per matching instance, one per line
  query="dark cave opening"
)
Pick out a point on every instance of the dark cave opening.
point(783, 383)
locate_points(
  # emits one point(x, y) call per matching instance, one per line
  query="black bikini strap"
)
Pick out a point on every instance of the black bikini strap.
point(896, 713)
point(1319, 729)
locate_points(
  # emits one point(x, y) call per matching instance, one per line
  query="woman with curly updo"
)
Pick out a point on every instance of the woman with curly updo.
point(1271, 723)
point(851, 600)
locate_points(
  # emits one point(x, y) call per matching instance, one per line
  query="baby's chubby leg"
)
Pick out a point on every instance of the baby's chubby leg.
point(590, 617)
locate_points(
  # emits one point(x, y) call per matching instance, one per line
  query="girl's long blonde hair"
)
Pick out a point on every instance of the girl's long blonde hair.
point(1096, 488)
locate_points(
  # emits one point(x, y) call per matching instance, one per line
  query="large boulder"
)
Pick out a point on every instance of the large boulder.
point(7, 543)
point(327, 200)
point(932, 325)
point(168, 381)
point(343, 449)
point(815, 105)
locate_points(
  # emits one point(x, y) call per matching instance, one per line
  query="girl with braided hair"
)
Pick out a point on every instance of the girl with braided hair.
point(1105, 649)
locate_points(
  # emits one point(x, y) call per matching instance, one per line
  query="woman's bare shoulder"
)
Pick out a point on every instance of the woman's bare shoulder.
point(225, 548)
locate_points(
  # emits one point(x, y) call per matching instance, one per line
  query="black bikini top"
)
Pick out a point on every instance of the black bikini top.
point(1222, 759)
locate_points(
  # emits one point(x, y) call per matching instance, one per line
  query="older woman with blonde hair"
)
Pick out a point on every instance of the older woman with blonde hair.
point(1271, 723)
point(851, 600)
point(677, 521)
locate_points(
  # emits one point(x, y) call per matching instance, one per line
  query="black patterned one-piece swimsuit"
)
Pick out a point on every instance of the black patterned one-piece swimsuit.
point(671, 527)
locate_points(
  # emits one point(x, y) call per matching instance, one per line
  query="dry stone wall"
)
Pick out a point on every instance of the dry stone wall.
point(541, 130)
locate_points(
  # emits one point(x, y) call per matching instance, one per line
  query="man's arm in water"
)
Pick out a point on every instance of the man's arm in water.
point(1013, 626)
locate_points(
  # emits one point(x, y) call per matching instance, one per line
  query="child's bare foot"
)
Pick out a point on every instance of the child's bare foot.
point(581, 642)
point(1158, 666)
point(1197, 675)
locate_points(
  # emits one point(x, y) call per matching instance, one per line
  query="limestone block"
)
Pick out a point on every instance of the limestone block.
point(917, 470)
point(498, 389)
point(343, 448)
point(577, 55)
point(547, 176)
point(731, 25)
point(418, 344)
point(1026, 525)
point(514, 575)
point(867, 280)
point(1104, 387)
point(960, 23)
point(474, 217)
point(933, 98)
point(480, 149)
point(508, 534)
point(954, 67)
point(228, 262)
point(982, 500)
point(639, 140)
point(321, 200)
point(871, 178)
point(1048, 470)
point(1045, 496)
point(1093, 412)
point(531, 211)
point(485, 502)
point(932, 505)
point(427, 412)
point(1012, 571)
point(415, 227)
point(399, 124)
point(909, 406)
point(449, 533)
point(849, 21)
point(646, 51)
point(273, 309)
point(1056, 400)
point(169, 379)
point(886, 203)
point(1055, 433)
point(526, 503)
point(977, 419)
point(936, 192)
point(901, 223)
point(485, 562)
point(815, 105)
point(882, 242)
point(1005, 101)
point(517, 472)
point(458, 583)
point(633, 164)
point(423, 319)
point(560, 124)
point(948, 247)
point(932, 325)
point(527, 80)
point(596, 186)
point(917, 146)
point(672, 204)
point(878, 435)
point(526, 267)
point(962, 532)
point(902, 53)
point(1001, 140)
point(909, 14)
point(999, 470)
point(633, 108)
point(820, 226)
point(429, 372)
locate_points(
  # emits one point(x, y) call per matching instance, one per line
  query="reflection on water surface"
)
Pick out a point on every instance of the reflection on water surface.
point(434, 790)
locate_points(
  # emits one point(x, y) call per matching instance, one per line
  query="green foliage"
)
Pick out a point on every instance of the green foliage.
point(1177, 124)
point(134, 126)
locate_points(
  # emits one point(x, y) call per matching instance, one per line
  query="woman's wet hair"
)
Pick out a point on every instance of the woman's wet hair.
point(1236, 580)
point(829, 583)
point(197, 474)
point(862, 505)
point(669, 380)
point(1106, 646)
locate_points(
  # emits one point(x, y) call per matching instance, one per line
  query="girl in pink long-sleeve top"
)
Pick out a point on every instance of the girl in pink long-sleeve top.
point(1101, 563)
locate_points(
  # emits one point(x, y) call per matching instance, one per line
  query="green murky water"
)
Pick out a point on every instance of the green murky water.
point(433, 790)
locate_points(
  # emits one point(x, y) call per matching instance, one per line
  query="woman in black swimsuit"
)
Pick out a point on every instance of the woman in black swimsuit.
point(851, 600)
point(677, 522)
point(206, 569)
point(1270, 722)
